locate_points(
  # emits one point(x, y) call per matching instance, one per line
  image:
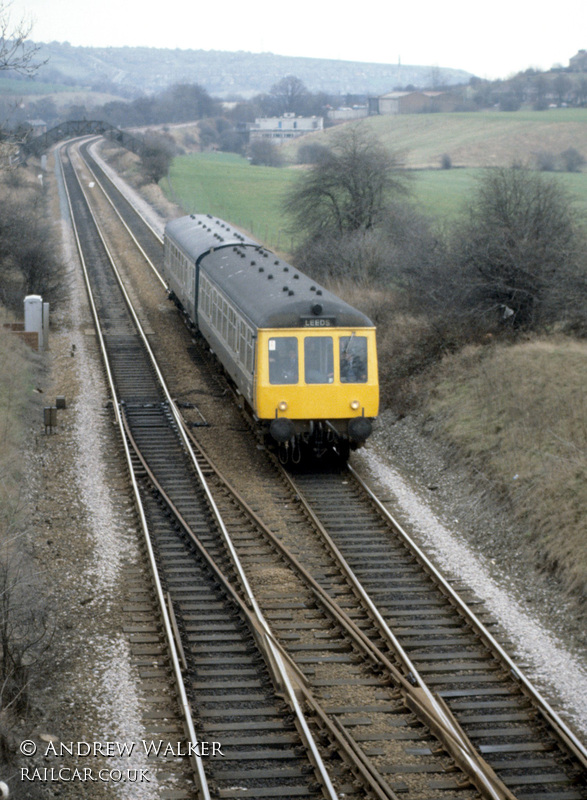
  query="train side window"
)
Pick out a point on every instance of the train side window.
point(353, 359)
point(318, 358)
point(283, 360)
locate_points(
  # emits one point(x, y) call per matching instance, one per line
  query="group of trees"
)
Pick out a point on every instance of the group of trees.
point(531, 88)
point(28, 254)
point(515, 260)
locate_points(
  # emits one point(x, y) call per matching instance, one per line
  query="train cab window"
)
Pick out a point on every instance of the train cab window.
point(353, 359)
point(283, 360)
point(318, 359)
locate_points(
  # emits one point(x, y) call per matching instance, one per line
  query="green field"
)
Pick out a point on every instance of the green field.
point(250, 197)
point(11, 86)
point(227, 186)
point(445, 193)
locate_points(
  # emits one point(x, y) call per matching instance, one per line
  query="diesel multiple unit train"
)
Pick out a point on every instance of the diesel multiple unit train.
point(303, 361)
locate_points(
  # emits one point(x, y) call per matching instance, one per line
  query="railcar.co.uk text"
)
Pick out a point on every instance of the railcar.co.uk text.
point(147, 747)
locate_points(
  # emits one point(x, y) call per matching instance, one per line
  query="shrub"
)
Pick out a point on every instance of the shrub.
point(157, 156)
point(545, 161)
point(311, 153)
point(445, 161)
point(572, 160)
point(264, 153)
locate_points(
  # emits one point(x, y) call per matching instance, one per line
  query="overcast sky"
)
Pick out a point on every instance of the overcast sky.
point(491, 40)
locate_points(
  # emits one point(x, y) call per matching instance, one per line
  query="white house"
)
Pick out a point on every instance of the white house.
point(279, 129)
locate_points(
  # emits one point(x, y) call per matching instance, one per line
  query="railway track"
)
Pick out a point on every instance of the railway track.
point(337, 638)
point(445, 643)
point(256, 746)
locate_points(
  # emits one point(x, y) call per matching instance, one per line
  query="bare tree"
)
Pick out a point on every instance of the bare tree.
point(519, 252)
point(157, 156)
point(29, 262)
point(289, 95)
point(348, 189)
point(16, 52)
point(561, 86)
point(572, 159)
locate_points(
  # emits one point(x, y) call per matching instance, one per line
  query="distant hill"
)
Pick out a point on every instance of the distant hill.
point(134, 70)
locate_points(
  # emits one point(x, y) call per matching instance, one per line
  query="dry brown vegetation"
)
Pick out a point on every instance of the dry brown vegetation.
point(28, 262)
point(520, 413)
point(24, 621)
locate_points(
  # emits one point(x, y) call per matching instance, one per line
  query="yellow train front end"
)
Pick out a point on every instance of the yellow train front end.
point(317, 388)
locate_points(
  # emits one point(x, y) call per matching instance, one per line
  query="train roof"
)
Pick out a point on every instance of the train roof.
point(268, 290)
point(197, 233)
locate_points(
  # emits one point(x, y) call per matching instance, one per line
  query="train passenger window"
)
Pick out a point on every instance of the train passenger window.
point(283, 360)
point(318, 359)
point(353, 359)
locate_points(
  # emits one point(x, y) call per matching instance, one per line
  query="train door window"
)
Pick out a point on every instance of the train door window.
point(283, 360)
point(318, 358)
point(241, 347)
point(353, 359)
point(250, 352)
point(224, 320)
point(214, 309)
point(232, 343)
point(204, 299)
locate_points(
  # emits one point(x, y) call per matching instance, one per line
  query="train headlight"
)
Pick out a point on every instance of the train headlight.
point(282, 406)
point(355, 404)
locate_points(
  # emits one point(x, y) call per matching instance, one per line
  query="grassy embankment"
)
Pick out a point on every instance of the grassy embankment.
point(517, 411)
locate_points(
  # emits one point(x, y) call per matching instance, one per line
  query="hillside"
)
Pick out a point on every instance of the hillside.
point(475, 139)
point(145, 69)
